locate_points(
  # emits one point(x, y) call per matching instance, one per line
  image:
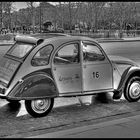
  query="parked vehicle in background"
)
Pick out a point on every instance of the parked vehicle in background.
point(60, 30)
point(38, 70)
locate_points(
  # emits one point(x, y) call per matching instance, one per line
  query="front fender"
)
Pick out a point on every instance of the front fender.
point(131, 71)
point(33, 87)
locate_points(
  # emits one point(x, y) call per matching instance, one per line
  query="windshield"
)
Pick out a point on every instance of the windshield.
point(20, 49)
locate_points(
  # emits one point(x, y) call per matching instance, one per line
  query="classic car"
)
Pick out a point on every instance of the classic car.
point(38, 70)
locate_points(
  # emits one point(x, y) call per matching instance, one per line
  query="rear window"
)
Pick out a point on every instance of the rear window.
point(4, 48)
point(41, 58)
point(20, 49)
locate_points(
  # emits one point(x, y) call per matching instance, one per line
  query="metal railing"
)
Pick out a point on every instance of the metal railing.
point(107, 33)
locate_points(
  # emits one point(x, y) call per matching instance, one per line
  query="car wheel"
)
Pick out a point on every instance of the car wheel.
point(132, 89)
point(39, 107)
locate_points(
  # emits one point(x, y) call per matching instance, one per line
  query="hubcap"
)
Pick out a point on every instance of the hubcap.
point(41, 105)
point(134, 89)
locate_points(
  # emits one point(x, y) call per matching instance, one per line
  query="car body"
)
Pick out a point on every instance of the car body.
point(39, 70)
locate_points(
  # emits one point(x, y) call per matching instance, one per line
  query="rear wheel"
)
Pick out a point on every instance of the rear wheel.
point(39, 107)
point(132, 89)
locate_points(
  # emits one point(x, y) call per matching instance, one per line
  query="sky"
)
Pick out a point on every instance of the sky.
point(20, 5)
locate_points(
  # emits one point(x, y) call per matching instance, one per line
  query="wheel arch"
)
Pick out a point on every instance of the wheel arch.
point(34, 86)
point(128, 73)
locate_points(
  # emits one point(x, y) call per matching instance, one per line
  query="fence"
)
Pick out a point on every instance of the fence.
point(106, 33)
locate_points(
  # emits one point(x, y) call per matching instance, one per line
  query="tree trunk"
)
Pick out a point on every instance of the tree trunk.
point(62, 13)
point(33, 19)
point(70, 26)
point(1, 15)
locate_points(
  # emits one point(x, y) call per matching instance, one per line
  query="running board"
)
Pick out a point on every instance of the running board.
point(74, 94)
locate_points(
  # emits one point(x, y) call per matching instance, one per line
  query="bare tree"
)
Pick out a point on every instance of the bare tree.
point(32, 12)
point(60, 11)
point(72, 9)
point(95, 10)
point(1, 14)
point(7, 8)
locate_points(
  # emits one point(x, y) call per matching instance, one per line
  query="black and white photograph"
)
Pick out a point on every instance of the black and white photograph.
point(70, 69)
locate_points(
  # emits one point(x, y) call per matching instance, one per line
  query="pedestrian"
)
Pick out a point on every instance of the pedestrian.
point(117, 33)
point(128, 29)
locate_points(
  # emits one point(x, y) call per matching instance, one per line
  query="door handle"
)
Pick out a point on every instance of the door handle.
point(54, 68)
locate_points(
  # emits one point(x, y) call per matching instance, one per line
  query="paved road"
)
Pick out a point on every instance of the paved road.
point(127, 127)
point(62, 118)
point(126, 49)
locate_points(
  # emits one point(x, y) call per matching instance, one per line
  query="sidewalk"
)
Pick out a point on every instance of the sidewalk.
point(120, 128)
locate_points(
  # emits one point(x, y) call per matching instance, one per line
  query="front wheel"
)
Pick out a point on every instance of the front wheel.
point(132, 89)
point(39, 107)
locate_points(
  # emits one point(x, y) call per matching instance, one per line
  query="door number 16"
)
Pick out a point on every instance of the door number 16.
point(96, 75)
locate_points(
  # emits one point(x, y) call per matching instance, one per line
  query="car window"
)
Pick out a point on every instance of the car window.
point(92, 53)
point(20, 49)
point(4, 48)
point(41, 58)
point(69, 54)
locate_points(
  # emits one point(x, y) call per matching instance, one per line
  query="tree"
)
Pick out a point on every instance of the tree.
point(95, 8)
point(32, 12)
point(60, 13)
point(7, 9)
point(1, 14)
point(71, 9)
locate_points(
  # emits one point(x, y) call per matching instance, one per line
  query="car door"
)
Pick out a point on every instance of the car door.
point(66, 67)
point(96, 68)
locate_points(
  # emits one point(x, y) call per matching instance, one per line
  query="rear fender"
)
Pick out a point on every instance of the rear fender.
point(34, 87)
point(129, 72)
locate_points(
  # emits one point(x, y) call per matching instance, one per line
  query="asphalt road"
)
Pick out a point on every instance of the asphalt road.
point(16, 123)
point(129, 50)
point(68, 112)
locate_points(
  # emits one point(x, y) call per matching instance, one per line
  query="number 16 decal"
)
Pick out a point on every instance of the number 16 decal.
point(96, 75)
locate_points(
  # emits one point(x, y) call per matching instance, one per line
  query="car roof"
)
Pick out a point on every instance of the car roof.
point(56, 41)
point(71, 38)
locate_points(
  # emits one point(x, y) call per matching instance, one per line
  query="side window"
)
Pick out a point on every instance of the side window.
point(69, 54)
point(41, 58)
point(92, 53)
